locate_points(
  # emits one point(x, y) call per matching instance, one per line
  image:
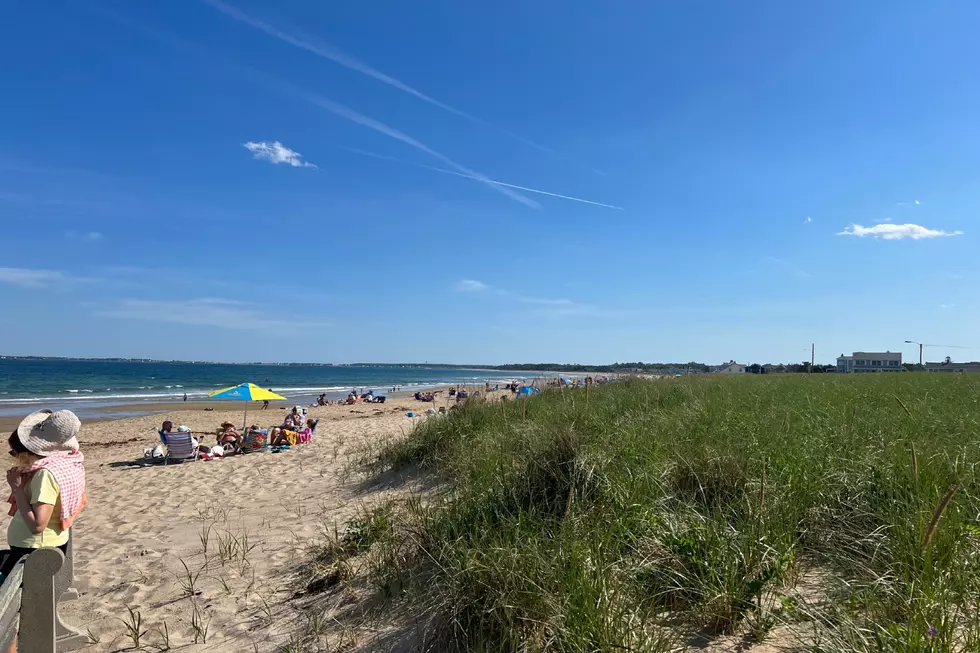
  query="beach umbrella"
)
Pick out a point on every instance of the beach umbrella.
point(245, 392)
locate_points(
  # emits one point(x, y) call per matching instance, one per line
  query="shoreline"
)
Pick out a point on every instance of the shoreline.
point(114, 413)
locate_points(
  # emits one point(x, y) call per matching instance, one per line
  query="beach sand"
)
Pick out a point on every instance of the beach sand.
point(144, 524)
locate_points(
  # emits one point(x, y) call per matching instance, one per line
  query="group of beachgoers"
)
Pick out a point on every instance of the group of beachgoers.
point(296, 428)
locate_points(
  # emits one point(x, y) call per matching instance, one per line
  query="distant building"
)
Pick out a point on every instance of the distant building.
point(769, 368)
point(730, 368)
point(865, 362)
point(949, 366)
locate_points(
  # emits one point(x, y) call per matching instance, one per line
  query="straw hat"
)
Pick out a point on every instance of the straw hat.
point(47, 433)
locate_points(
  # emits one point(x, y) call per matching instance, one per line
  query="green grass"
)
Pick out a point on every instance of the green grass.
point(647, 512)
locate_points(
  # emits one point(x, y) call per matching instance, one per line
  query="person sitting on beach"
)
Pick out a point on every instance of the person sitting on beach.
point(282, 436)
point(229, 438)
point(306, 433)
point(293, 421)
point(168, 428)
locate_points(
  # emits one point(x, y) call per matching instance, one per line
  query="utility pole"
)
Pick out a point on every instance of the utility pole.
point(812, 345)
point(912, 342)
point(921, 345)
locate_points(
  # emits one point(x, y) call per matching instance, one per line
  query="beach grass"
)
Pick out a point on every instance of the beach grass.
point(835, 513)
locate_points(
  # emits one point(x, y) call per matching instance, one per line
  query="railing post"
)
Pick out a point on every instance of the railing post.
point(37, 622)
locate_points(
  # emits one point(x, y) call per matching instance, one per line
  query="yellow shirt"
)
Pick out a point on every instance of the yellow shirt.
point(43, 488)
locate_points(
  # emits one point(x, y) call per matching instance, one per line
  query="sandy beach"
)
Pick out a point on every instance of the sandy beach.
point(140, 544)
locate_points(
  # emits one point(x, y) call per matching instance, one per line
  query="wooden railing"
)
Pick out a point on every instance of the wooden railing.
point(29, 600)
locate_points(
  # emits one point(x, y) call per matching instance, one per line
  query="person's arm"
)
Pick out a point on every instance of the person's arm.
point(37, 514)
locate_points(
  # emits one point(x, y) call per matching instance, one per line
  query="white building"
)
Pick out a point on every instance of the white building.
point(864, 362)
point(730, 368)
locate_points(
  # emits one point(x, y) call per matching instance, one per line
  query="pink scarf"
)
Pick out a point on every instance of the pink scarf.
point(69, 472)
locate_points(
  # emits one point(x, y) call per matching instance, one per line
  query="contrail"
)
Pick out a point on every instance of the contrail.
point(371, 123)
point(483, 179)
point(334, 107)
point(338, 57)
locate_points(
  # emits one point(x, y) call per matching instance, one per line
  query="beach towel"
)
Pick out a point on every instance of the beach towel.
point(255, 440)
point(69, 471)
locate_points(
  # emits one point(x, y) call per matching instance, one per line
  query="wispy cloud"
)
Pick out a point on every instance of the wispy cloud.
point(793, 269)
point(808, 220)
point(331, 53)
point(210, 312)
point(560, 307)
point(471, 285)
point(547, 302)
point(947, 306)
point(275, 153)
point(889, 231)
point(378, 126)
point(28, 278)
point(89, 237)
point(485, 180)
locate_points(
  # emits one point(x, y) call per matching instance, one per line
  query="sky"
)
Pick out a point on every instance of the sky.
point(457, 182)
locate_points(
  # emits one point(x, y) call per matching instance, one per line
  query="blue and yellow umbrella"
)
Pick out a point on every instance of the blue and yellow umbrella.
point(245, 392)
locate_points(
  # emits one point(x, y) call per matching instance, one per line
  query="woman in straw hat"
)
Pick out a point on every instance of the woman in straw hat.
point(47, 483)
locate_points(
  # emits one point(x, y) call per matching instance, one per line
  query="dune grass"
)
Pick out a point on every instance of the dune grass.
point(647, 513)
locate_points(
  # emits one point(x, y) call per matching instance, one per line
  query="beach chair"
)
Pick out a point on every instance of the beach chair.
point(180, 447)
point(255, 441)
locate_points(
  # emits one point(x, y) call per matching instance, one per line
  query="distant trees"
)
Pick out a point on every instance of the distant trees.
point(792, 368)
point(614, 368)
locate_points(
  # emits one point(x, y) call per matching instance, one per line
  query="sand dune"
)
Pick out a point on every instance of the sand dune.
point(144, 524)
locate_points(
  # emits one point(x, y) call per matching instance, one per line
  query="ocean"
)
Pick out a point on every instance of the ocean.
point(84, 386)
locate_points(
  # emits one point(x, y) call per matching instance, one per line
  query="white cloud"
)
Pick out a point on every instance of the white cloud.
point(212, 312)
point(471, 285)
point(888, 231)
point(808, 220)
point(947, 306)
point(26, 278)
point(275, 152)
point(916, 202)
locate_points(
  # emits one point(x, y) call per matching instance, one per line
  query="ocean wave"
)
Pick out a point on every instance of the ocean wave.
point(149, 393)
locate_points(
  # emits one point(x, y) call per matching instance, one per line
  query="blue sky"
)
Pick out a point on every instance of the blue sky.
point(240, 180)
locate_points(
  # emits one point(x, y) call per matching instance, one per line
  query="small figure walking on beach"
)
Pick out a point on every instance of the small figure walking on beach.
point(265, 403)
point(185, 397)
